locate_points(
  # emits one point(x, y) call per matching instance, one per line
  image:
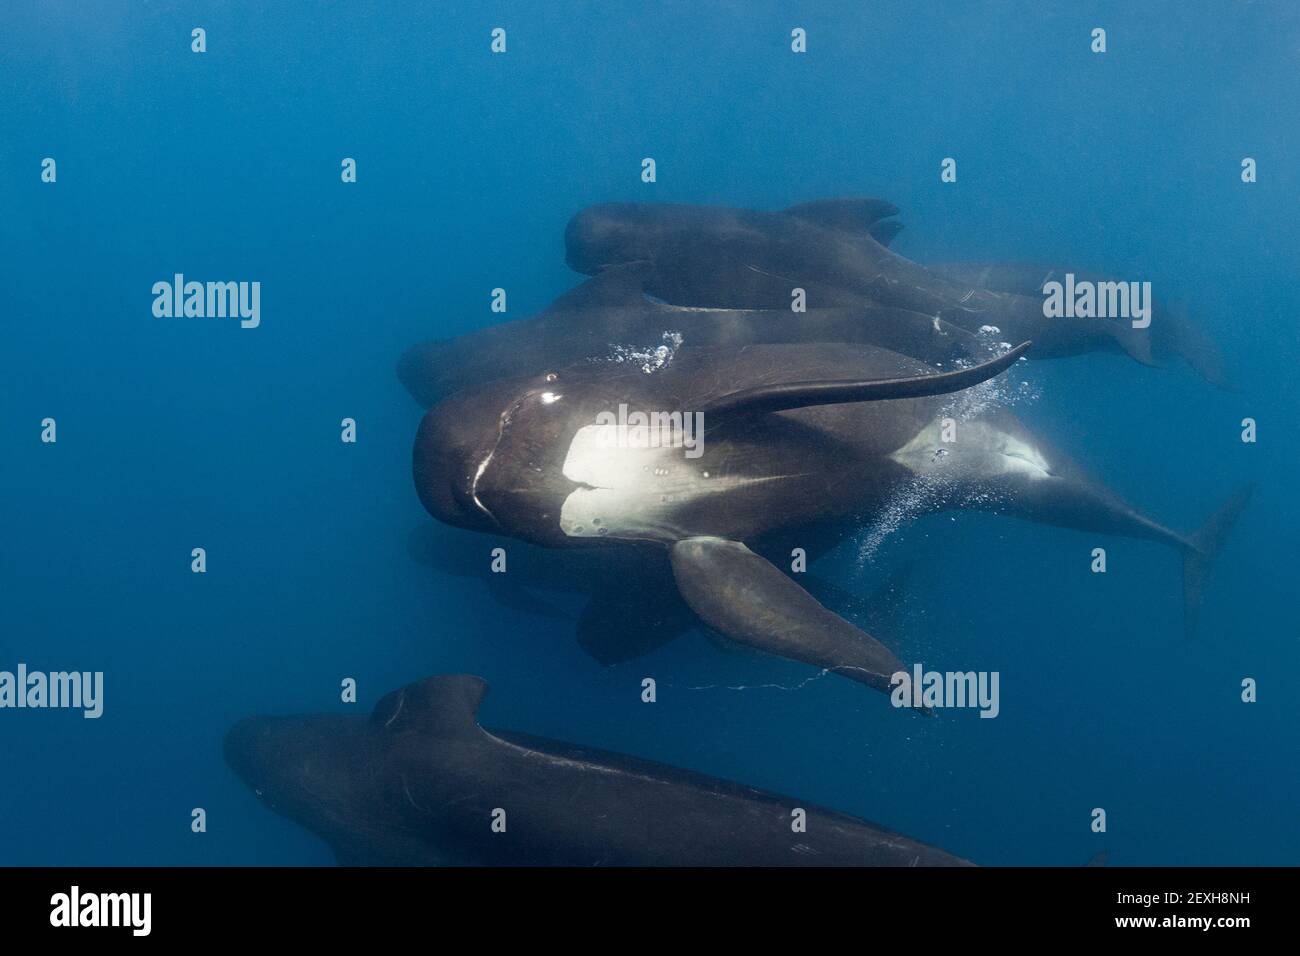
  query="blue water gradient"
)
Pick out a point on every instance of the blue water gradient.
point(183, 433)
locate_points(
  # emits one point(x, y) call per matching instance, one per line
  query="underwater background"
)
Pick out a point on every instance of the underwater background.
point(182, 433)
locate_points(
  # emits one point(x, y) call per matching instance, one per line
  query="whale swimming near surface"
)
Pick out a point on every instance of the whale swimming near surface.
point(610, 314)
point(794, 436)
point(836, 250)
point(419, 782)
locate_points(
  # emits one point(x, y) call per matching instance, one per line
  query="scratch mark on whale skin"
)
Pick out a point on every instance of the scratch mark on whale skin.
point(406, 790)
point(401, 701)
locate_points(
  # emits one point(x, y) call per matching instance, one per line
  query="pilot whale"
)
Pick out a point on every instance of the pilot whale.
point(1173, 335)
point(611, 314)
point(833, 249)
point(795, 435)
point(420, 782)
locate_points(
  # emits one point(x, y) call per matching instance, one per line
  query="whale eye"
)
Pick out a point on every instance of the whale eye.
point(551, 376)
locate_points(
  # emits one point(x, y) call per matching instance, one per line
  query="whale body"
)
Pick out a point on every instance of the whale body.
point(419, 783)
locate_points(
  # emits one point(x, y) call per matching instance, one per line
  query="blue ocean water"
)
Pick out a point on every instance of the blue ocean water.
point(181, 433)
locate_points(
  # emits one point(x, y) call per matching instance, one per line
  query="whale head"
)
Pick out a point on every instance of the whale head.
point(366, 784)
point(612, 233)
point(491, 458)
point(309, 769)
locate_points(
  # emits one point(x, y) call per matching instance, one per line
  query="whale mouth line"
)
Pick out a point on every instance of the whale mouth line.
point(473, 488)
point(483, 465)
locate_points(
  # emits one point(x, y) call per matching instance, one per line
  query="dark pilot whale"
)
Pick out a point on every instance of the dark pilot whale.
point(1173, 335)
point(836, 250)
point(794, 436)
point(530, 458)
point(610, 314)
point(420, 782)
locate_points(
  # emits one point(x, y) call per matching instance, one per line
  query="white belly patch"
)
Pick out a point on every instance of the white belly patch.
point(631, 491)
point(980, 451)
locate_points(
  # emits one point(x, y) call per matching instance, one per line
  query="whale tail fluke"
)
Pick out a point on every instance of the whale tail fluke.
point(1203, 547)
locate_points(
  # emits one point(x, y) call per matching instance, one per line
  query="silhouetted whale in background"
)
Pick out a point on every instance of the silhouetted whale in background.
point(610, 314)
point(795, 435)
point(1172, 334)
point(718, 257)
point(419, 782)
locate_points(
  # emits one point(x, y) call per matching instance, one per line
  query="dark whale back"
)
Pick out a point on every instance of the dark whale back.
point(419, 781)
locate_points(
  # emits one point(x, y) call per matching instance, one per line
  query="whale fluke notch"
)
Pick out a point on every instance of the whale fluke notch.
point(445, 705)
point(747, 599)
point(789, 395)
point(853, 214)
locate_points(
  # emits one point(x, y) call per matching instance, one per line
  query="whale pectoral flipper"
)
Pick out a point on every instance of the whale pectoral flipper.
point(619, 625)
point(747, 599)
point(784, 396)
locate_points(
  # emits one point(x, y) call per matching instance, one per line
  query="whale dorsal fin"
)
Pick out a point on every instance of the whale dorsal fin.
point(885, 230)
point(614, 285)
point(783, 396)
point(444, 705)
point(855, 214)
